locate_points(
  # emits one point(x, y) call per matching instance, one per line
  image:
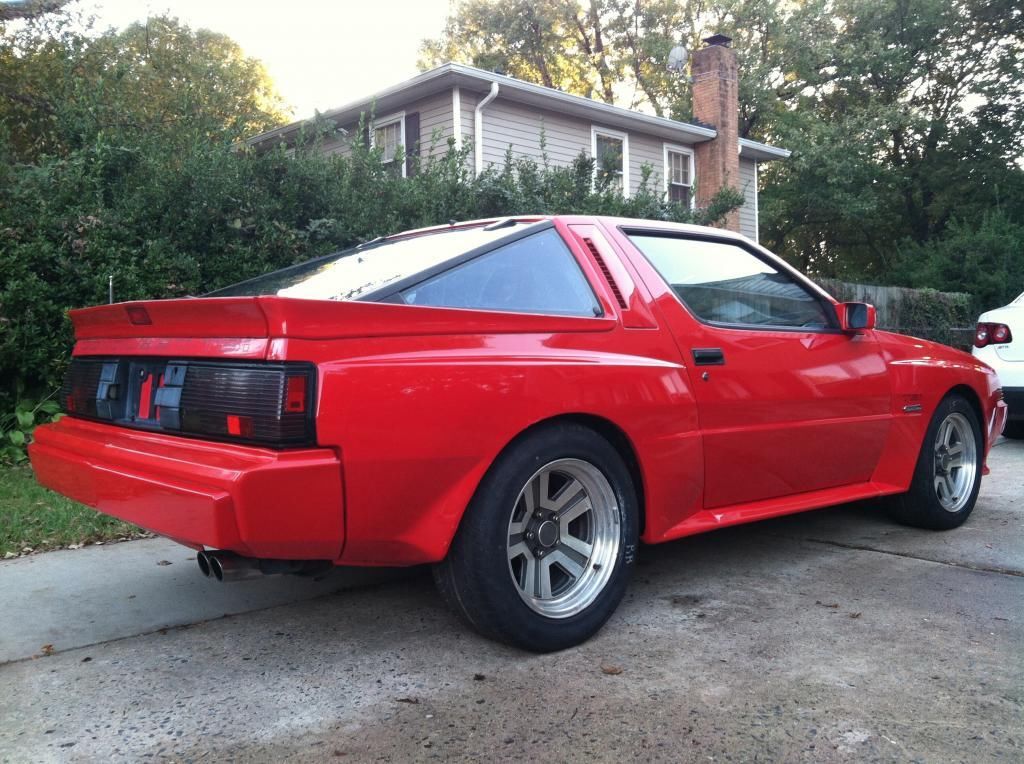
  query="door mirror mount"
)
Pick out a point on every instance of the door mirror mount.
point(856, 316)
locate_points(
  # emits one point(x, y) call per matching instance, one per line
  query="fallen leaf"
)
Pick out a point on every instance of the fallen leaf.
point(414, 701)
point(86, 659)
point(854, 615)
point(165, 562)
point(611, 670)
point(478, 677)
point(832, 605)
point(47, 649)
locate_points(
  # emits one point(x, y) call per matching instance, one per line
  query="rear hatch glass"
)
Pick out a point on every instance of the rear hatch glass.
point(365, 271)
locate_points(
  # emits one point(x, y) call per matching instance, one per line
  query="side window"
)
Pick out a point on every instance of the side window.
point(536, 274)
point(724, 283)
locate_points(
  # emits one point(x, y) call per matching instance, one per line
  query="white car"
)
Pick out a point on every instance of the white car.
point(999, 342)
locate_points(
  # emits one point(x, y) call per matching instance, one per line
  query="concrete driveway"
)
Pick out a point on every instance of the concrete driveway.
point(827, 636)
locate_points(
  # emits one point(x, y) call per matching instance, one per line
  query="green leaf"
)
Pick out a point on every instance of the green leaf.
point(25, 418)
point(49, 407)
point(17, 437)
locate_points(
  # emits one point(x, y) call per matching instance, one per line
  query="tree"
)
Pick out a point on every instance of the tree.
point(903, 115)
point(62, 86)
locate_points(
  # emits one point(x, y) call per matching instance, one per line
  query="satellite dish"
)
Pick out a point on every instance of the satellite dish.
point(677, 59)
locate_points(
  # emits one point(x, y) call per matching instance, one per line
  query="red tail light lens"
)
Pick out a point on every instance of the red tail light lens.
point(295, 397)
point(992, 334)
point(239, 425)
point(258, 403)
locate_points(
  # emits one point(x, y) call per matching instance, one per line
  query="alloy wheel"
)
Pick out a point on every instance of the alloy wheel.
point(956, 462)
point(563, 537)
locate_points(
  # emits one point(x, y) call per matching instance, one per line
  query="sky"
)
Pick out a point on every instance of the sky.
point(320, 54)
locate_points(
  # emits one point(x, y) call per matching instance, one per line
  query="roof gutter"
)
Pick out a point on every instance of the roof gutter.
point(478, 127)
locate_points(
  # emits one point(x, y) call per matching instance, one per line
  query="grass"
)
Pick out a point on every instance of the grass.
point(36, 517)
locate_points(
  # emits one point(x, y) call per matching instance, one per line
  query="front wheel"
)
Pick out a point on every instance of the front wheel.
point(544, 552)
point(947, 477)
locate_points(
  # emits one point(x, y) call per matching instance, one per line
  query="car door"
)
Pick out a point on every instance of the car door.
point(787, 403)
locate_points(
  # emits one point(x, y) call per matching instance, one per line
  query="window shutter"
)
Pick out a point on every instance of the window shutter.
point(412, 138)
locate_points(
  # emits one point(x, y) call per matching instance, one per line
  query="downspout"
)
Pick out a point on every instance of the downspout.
point(478, 127)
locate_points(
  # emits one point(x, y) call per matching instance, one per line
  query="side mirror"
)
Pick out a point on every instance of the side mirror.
point(855, 316)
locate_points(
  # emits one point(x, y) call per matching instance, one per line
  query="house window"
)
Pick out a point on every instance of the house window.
point(611, 158)
point(679, 175)
point(388, 135)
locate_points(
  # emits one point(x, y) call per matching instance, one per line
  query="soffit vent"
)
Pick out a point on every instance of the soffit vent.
point(607, 273)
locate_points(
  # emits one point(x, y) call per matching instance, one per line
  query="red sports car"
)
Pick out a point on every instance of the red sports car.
point(519, 402)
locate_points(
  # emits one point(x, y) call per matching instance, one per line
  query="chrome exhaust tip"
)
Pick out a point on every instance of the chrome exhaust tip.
point(204, 563)
point(228, 566)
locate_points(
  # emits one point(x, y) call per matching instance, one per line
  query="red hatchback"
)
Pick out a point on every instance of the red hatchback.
point(520, 402)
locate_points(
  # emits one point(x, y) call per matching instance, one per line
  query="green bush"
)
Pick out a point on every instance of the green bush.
point(16, 427)
point(166, 222)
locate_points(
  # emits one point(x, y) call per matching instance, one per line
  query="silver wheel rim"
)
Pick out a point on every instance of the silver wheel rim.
point(563, 538)
point(956, 463)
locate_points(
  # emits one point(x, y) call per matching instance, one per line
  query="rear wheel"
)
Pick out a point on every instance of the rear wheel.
point(545, 549)
point(948, 473)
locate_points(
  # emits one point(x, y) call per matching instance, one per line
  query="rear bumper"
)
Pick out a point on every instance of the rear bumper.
point(254, 501)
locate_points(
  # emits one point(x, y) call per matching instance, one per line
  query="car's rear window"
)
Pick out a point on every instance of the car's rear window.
point(358, 273)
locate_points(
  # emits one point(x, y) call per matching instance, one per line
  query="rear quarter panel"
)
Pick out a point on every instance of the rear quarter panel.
point(418, 421)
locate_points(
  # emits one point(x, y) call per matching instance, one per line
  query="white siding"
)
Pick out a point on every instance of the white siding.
point(748, 187)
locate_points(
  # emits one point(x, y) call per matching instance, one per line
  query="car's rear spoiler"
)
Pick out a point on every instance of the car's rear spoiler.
point(273, 317)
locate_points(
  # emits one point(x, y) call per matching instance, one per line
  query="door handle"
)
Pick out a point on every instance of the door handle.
point(708, 357)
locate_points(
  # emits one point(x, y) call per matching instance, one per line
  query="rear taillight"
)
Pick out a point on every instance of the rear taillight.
point(258, 403)
point(992, 334)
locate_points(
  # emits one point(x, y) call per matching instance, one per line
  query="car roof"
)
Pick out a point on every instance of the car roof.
point(664, 225)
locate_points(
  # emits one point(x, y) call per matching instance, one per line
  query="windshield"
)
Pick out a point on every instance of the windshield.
point(357, 273)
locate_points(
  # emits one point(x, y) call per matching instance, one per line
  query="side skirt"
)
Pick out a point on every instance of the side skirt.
point(723, 517)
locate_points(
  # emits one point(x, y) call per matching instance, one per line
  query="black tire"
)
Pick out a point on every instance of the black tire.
point(1014, 430)
point(476, 578)
point(922, 505)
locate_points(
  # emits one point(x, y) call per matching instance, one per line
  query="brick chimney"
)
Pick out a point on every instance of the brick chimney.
point(716, 103)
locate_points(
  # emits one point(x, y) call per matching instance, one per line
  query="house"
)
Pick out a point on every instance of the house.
point(492, 114)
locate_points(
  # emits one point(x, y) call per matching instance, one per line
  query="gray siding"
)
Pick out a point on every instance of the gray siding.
point(645, 150)
point(435, 123)
point(435, 127)
point(748, 186)
point(469, 102)
point(508, 124)
point(341, 144)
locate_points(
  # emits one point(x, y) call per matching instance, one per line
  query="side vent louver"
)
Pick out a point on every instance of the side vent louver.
point(607, 273)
